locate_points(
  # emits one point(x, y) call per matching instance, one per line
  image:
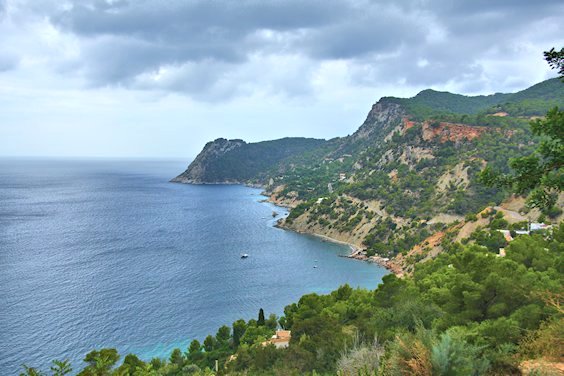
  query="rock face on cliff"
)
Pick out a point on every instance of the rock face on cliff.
point(235, 161)
point(382, 118)
point(198, 171)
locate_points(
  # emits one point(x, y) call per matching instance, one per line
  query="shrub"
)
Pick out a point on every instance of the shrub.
point(471, 217)
point(499, 224)
point(553, 212)
point(361, 358)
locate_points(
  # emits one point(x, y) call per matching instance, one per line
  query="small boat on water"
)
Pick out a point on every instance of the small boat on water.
point(244, 255)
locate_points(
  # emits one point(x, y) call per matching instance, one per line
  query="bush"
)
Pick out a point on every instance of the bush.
point(361, 358)
point(471, 217)
point(499, 224)
point(541, 218)
point(553, 212)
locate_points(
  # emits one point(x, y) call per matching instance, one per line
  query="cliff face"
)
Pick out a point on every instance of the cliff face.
point(197, 172)
point(381, 119)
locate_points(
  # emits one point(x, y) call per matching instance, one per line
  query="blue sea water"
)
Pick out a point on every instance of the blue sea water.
point(100, 253)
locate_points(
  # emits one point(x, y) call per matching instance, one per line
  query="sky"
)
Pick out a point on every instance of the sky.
point(160, 78)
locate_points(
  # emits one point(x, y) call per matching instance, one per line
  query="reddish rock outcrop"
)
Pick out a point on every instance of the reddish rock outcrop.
point(453, 132)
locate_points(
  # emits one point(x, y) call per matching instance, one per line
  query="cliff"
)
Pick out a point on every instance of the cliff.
point(201, 169)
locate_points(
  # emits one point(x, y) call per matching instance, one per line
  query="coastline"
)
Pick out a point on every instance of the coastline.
point(192, 182)
point(356, 251)
point(352, 247)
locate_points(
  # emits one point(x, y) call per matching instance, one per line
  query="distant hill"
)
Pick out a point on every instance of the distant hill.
point(535, 100)
point(235, 161)
point(429, 102)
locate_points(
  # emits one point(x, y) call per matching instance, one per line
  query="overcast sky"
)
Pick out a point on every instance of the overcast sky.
point(159, 78)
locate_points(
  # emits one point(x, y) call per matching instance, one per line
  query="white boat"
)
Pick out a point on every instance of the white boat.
point(244, 255)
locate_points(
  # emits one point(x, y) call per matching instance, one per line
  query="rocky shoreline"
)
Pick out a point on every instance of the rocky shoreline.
point(382, 261)
point(226, 182)
point(357, 253)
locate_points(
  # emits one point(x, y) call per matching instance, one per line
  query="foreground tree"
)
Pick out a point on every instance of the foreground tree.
point(556, 60)
point(100, 363)
point(61, 368)
point(30, 371)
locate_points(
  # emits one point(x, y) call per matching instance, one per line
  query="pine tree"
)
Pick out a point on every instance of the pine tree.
point(260, 321)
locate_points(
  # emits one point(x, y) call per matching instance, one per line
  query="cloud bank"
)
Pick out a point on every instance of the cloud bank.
point(212, 50)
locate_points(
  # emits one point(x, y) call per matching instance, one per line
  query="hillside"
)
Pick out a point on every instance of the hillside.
point(409, 171)
point(235, 161)
point(535, 100)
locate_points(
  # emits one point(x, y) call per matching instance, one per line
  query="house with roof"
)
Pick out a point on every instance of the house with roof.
point(281, 339)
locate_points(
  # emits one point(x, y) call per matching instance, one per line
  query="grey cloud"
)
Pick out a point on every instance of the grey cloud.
point(180, 19)
point(207, 43)
point(375, 31)
point(126, 39)
point(472, 34)
point(488, 6)
point(203, 79)
point(115, 59)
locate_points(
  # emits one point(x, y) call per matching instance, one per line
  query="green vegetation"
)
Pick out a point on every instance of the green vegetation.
point(539, 174)
point(429, 102)
point(409, 191)
point(467, 312)
point(536, 100)
point(417, 172)
point(556, 60)
point(237, 161)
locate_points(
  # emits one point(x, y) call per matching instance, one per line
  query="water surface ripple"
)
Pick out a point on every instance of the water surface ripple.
point(109, 254)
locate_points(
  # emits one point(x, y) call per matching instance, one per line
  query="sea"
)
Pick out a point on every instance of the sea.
point(108, 253)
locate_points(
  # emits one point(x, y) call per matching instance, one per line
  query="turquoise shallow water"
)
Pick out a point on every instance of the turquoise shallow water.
point(109, 254)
